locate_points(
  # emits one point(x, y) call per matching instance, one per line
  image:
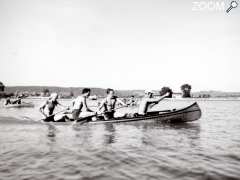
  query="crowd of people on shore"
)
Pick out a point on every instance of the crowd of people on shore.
point(106, 109)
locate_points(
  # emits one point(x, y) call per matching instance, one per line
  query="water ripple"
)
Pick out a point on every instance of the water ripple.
point(207, 149)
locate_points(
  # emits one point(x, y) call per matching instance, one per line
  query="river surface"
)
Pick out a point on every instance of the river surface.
point(205, 149)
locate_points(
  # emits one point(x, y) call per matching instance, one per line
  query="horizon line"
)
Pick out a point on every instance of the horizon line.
point(114, 88)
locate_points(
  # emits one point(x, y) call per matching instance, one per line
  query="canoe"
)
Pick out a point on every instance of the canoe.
point(187, 114)
point(22, 105)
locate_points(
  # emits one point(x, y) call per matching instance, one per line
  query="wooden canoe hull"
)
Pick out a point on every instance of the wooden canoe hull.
point(188, 114)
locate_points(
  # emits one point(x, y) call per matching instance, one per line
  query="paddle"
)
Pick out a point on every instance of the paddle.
point(54, 114)
point(166, 95)
point(86, 119)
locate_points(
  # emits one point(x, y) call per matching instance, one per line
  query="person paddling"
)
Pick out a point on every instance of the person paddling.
point(80, 108)
point(48, 107)
point(8, 101)
point(17, 101)
point(148, 100)
point(108, 104)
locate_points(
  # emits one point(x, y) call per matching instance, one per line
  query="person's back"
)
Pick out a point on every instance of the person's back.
point(77, 107)
point(110, 103)
point(79, 104)
point(49, 105)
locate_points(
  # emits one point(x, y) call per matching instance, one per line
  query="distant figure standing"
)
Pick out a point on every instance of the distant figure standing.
point(48, 107)
point(80, 107)
point(148, 100)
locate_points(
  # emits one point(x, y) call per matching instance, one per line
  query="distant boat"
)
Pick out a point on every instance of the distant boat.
point(22, 105)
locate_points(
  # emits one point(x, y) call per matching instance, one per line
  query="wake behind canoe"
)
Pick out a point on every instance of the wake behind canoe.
point(22, 105)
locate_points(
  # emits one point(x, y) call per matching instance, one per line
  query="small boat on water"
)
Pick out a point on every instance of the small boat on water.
point(187, 114)
point(22, 105)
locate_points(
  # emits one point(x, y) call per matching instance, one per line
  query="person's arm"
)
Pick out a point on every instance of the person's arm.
point(121, 102)
point(85, 105)
point(41, 109)
point(163, 97)
point(153, 100)
point(101, 105)
point(156, 101)
point(67, 107)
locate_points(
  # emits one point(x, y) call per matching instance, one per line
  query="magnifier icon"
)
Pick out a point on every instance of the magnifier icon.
point(233, 4)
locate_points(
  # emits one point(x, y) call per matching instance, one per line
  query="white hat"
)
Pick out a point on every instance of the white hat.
point(148, 91)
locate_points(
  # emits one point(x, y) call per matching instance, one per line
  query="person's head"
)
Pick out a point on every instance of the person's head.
point(148, 93)
point(110, 92)
point(86, 92)
point(54, 96)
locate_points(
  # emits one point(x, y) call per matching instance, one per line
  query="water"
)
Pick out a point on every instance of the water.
point(206, 149)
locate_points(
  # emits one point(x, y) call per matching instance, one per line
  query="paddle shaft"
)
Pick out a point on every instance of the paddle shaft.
point(85, 119)
point(158, 101)
point(56, 113)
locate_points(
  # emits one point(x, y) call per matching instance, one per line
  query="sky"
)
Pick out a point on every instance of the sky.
point(122, 44)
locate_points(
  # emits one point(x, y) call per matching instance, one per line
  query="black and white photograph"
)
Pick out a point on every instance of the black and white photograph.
point(119, 90)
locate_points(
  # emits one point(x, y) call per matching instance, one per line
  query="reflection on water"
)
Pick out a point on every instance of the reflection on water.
point(206, 149)
point(133, 133)
point(110, 137)
point(51, 130)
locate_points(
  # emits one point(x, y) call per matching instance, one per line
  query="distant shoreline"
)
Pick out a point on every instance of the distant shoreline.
point(166, 99)
point(66, 91)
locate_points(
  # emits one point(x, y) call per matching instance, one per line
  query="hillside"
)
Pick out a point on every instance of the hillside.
point(74, 90)
point(101, 91)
